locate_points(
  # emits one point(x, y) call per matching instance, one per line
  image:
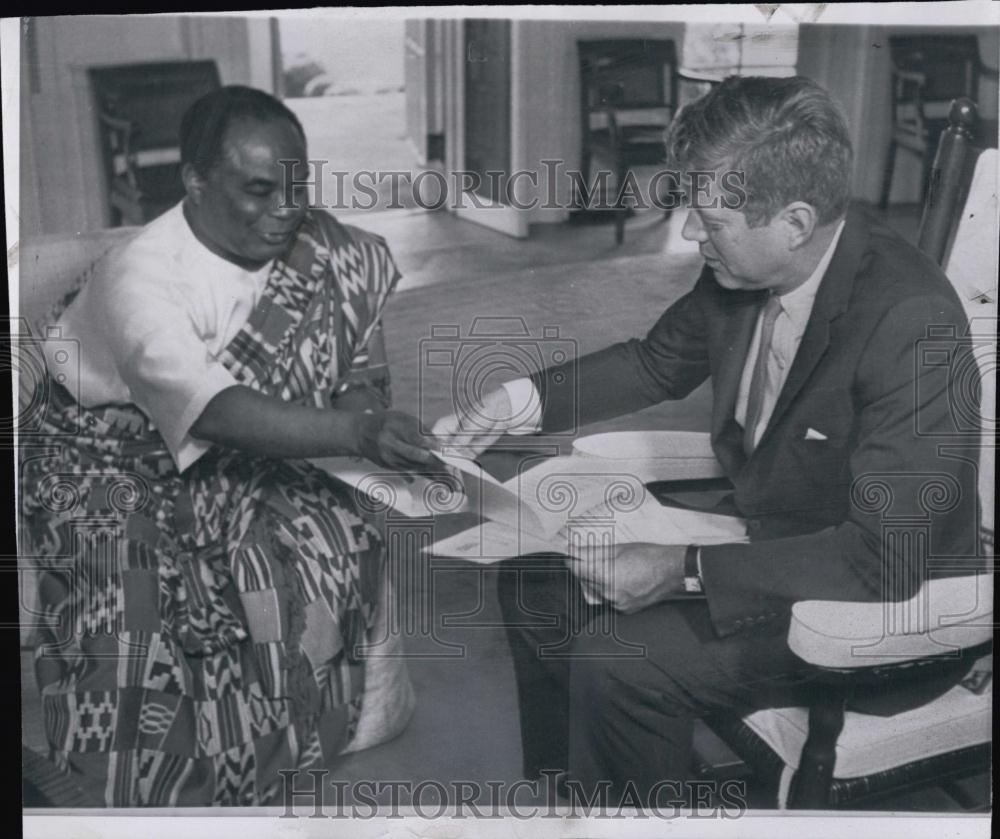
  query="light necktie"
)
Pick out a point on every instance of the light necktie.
point(758, 384)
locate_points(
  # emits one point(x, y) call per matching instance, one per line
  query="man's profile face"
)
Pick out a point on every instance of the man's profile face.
point(742, 257)
point(244, 210)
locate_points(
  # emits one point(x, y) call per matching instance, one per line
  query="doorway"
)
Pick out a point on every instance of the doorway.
point(344, 80)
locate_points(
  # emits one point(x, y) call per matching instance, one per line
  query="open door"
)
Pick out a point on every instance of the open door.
point(487, 103)
point(480, 99)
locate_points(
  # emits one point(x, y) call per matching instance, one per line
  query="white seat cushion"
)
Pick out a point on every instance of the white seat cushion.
point(49, 266)
point(868, 744)
point(947, 613)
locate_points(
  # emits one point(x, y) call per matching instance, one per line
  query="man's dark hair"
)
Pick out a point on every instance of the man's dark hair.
point(204, 124)
point(786, 136)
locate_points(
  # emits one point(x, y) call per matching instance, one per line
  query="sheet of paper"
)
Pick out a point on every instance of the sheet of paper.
point(410, 494)
point(560, 487)
point(491, 499)
point(601, 524)
point(488, 543)
point(651, 522)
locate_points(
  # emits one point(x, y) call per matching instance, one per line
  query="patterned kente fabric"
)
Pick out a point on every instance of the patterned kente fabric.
point(201, 629)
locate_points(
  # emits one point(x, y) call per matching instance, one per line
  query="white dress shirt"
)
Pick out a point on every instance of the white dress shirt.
point(796, 307)
point(790, 326)
point(152, 326)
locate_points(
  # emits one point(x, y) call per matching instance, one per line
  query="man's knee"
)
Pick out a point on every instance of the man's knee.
point(594, 685)
point(603, 665)
point(652, 655)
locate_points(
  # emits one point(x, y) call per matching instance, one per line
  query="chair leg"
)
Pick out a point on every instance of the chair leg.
point(620, 211)
point(890, 165)
point(585, 173)
point(619, 225)
point(811, 786)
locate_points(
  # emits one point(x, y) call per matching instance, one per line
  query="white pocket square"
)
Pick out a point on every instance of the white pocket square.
point(813, 434)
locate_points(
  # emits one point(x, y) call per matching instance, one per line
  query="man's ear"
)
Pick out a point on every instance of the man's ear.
point(799, 220)
point(194, 184)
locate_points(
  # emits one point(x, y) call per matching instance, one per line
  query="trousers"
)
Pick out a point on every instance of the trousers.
point(611, 698)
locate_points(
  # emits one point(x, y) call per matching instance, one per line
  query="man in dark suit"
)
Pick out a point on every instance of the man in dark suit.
point(807, 319)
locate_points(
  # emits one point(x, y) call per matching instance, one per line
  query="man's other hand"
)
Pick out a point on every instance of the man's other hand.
point(632, 576)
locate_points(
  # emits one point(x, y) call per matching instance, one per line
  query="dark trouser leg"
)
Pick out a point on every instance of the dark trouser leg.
point(631, 719)
point(535, 598)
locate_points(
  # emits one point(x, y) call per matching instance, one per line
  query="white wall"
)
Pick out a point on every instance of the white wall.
point(360, 54)
point(852, 62)
point(62, 178)
point(550, 77)
point(545, 95)
point(549, 92)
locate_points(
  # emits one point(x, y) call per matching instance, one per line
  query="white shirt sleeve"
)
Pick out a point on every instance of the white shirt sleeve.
point(160, 355)
point(526, 407)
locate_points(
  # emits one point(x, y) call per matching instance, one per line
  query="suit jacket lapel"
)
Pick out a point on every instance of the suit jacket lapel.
point(739, 329)
point(831, 301)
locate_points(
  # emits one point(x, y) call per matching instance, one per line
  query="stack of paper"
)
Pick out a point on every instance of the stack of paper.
point(560, 506)
point(566, 502)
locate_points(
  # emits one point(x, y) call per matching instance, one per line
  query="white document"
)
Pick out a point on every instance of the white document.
point(413, 495)
point(574, 508)
point(561, 506)
point(490, 498)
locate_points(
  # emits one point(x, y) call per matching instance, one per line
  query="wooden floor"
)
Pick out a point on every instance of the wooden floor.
point(574, 281)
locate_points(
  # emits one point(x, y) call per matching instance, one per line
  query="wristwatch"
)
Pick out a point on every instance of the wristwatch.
point(692, 579)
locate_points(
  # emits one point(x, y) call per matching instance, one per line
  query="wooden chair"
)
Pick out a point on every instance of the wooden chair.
point(628, 96)
point(892, 715)
point(139, 110)
point(928, 72)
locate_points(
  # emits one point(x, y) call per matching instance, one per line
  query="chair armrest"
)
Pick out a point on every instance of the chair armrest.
point(947, 614)
point(117, 123)
point(911, 76)
point(711, 76)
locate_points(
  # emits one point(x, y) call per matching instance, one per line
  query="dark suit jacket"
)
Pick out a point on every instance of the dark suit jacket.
point(858, 516)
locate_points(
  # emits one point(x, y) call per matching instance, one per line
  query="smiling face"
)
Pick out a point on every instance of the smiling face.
point(242, 209)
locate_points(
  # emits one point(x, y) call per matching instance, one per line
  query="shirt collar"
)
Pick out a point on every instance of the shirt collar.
point(798, 302)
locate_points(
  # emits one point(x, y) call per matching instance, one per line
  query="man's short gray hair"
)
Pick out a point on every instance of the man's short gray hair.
point(786, 136)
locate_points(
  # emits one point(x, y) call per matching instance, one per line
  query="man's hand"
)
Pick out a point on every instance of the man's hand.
point(392, 439)
point(359, 400)
point(631, 576)
point(480, 428)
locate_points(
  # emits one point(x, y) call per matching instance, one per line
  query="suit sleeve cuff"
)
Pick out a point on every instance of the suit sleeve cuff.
point(526, 407)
